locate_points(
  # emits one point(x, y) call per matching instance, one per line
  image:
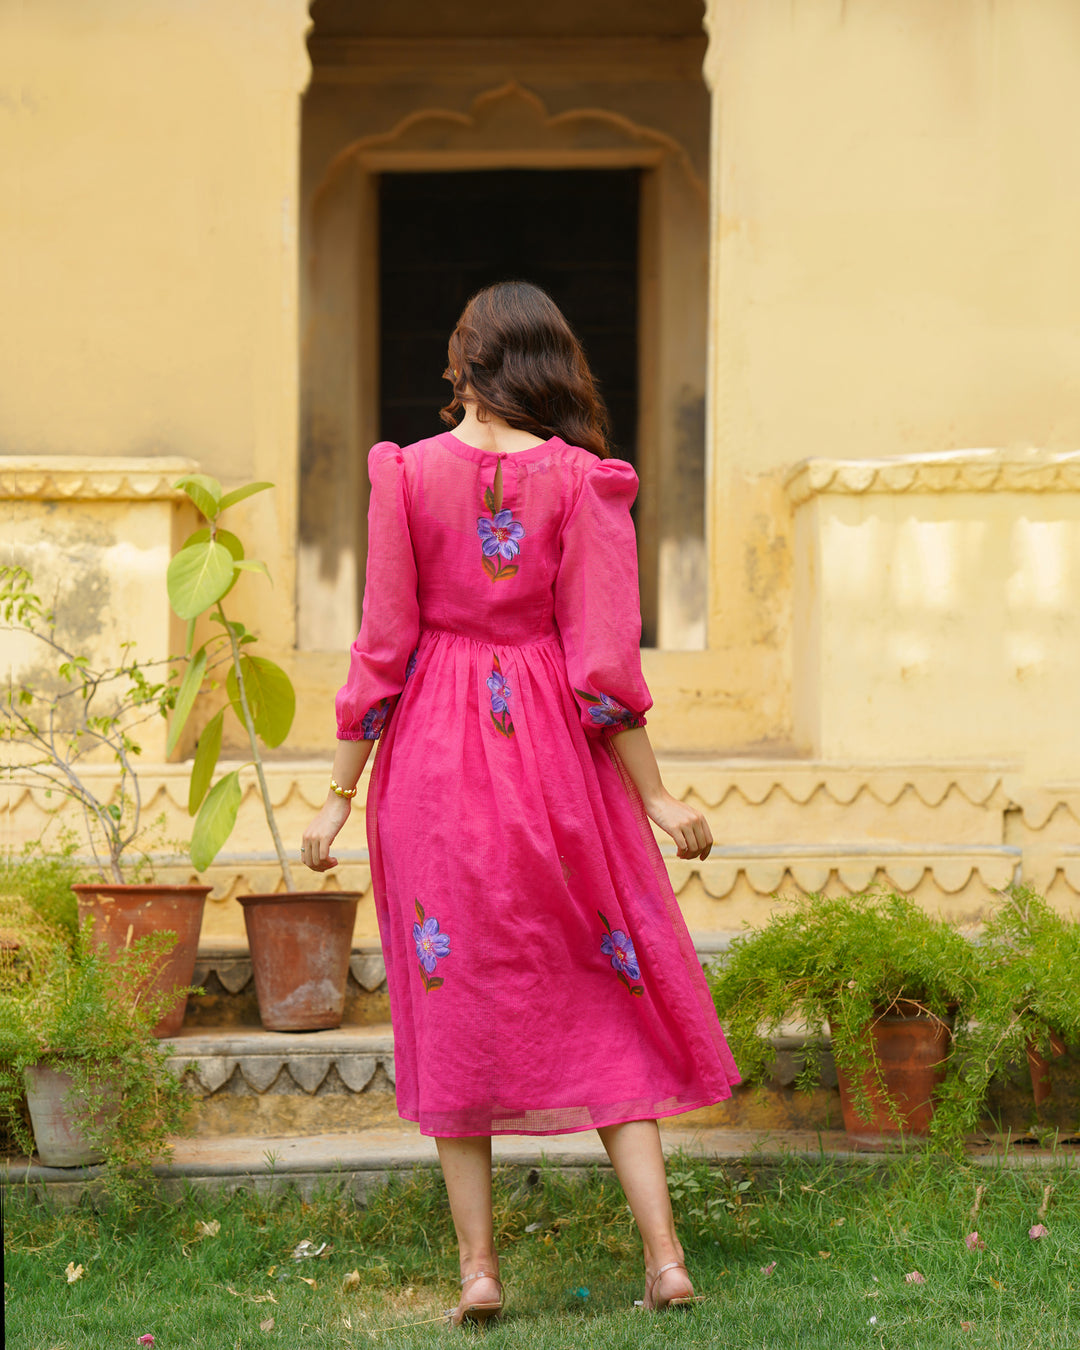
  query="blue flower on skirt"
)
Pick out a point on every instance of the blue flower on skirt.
point(621, 950)
point(500, 692)
point(431, 945)
point(500, 534)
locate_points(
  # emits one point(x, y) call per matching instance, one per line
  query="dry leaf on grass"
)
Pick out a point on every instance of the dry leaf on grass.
point(824, 1255)
point(209, 1229)
point(975, 1243)
point(268, 1325)
point(73, 1272)
point(1035, 1232)
point(913, 1277)
point(352, 1280)
point(251, 1298)
point(304, 1280)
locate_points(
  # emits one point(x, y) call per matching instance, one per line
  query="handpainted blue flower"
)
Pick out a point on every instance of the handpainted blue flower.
point(431, 945)
point(621, 950)
point(500, 534)
point(374, 720)
point(412, 662)
point(610, 713)
point(500, 692)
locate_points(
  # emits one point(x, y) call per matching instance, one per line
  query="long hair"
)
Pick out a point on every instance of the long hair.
point(514, 352)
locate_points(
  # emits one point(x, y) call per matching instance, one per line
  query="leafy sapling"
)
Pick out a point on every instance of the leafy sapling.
point(259, 692)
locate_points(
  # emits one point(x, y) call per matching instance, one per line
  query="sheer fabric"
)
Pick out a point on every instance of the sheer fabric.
point(541, 977)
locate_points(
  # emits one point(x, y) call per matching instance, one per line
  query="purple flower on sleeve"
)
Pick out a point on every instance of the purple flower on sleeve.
point(621, 950)
point(606, 711)
point(500, 535)
point(412, 663)
point(371, 727)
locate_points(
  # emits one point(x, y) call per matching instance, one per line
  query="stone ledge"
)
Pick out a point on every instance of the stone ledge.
point(78, 478)
point(947, 471)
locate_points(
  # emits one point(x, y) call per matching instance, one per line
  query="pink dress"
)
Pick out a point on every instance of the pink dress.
point(541, 977)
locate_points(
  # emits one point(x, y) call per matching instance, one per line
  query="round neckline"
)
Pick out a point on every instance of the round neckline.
point(473, 452)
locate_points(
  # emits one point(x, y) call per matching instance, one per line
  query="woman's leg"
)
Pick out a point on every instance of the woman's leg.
point(638, 1159)
point(466, 1166)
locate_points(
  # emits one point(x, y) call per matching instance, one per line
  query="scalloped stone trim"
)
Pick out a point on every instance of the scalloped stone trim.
point(948, 471)
point(75, 478)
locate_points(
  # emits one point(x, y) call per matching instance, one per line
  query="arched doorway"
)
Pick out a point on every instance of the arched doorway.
point(643, 320)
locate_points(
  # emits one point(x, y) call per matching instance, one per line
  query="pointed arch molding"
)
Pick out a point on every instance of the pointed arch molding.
point(508, 127)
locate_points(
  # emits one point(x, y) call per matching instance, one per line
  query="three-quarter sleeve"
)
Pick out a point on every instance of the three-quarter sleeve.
point(390, 624)
point(597, 603)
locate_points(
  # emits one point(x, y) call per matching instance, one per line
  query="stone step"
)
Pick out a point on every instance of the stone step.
point(359, 1163)
point(950, 835)
point(252, 1082)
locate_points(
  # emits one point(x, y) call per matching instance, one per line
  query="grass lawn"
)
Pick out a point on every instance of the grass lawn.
point(796, 1256)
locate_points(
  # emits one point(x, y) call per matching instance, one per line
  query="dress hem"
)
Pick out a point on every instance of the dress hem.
point(576, 1129)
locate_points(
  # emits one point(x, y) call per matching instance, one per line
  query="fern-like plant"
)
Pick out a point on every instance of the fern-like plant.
point(839, 962)
point(1029, 998)
point(68, 1005)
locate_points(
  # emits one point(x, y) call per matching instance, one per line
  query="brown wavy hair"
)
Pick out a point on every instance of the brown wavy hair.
point(514, 352)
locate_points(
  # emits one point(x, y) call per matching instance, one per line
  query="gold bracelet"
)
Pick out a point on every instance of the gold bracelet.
point(348, 793)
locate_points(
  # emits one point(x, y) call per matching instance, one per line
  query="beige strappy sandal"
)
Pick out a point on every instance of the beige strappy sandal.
point(653, 1304)
point(477, 1312)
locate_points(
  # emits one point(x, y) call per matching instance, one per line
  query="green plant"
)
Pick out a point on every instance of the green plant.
point(69, 1005)
point(842, 962)
point(43, 880)
point(1029, 997)
point(259, 692)
point(70, 712)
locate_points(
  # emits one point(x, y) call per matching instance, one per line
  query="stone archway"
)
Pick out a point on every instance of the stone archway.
point(507, 126)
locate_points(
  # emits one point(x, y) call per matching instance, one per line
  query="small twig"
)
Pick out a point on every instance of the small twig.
point(980, 1191)
point(1048, 1191)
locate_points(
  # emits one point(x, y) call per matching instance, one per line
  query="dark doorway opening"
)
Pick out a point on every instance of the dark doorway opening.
point(444, 235)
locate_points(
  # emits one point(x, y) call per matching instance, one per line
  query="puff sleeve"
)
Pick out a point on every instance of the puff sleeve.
point(597, 604)
point(390, 624)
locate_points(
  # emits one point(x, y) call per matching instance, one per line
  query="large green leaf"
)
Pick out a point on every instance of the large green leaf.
point(204, 491)
point(206, 758)
point(198, 577)
point(226, 537)
point(270, 697)
point(238, 494)
point(185, 697)
point(215, 820)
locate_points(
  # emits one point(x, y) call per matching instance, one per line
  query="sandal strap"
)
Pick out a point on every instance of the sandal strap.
point(480, 1275)
point(671, 1265)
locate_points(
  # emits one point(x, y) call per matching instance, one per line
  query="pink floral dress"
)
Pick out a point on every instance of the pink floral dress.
point(541, 977)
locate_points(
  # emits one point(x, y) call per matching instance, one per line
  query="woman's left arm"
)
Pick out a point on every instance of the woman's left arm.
point(686, 825)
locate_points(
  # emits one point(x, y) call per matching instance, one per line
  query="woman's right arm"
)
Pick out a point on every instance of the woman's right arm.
point(349, 761)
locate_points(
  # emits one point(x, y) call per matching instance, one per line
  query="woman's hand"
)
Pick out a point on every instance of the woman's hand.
point(321, 833)
point(687, 826)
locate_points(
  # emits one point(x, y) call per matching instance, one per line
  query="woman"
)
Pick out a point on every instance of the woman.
point(541, 977)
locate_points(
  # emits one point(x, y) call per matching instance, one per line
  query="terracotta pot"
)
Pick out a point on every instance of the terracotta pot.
point(911, 1048)
point(55, 1116)
point(122, 914)
point(1041, 1083)
point(300, 943)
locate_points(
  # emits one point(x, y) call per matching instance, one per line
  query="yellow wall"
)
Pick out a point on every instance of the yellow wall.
point(896, 210)
point(147, 237)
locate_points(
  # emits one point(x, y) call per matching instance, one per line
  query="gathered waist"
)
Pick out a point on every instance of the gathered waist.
point(551, 640)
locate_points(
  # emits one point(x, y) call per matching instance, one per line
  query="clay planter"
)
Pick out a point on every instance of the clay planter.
point(1042, 1085)
point(300, 944)
point(58, 1135)
point(911, 1048)
point(122, 914)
